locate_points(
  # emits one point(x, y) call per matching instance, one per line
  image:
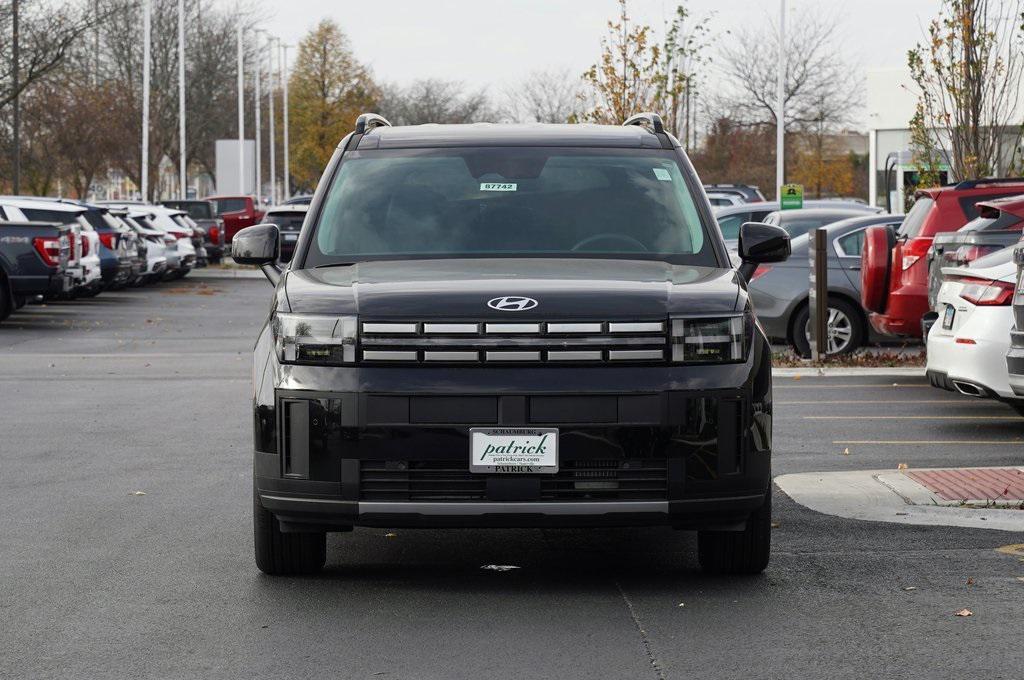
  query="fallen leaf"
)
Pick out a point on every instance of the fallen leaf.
point(964, 612)
point(901, 466)
point(910, 588)
point(970, 581)
point(390, 535)
point(775, 525)
point(138, 493)
point(796, 377)
point(499, 567)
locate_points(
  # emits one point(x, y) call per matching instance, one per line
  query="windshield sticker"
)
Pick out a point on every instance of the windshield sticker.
point(662, 174)
point(498, 186)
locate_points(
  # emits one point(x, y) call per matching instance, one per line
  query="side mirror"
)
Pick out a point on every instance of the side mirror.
point(260, 245)
point(761, 243)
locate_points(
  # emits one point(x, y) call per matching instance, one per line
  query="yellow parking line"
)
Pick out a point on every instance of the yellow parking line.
point(964, 442)
point(912, 418)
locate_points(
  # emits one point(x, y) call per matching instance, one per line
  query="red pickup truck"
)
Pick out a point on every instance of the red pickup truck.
point(238, 212)
point(894, 266)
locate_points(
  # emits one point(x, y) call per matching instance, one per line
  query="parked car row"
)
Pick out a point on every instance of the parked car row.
point(64, 249)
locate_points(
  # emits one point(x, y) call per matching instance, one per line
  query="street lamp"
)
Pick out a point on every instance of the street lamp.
point(780, 106)
point(259, 128)
point(146, 35)
point(287, 166)
point(270, 97)
point(183, 178)
point(241, 113)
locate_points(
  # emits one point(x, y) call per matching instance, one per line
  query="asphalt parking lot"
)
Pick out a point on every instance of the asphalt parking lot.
point(148, 391)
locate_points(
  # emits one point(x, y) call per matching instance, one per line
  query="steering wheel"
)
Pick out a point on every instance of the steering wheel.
point(624, 238)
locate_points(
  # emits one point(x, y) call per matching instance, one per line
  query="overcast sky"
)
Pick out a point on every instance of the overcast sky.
point(494, 44)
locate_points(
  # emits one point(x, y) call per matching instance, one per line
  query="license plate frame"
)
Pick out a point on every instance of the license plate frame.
point(947, 317)
point(485, 461)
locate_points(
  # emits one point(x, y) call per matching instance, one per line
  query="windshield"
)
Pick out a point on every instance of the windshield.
point(1005, 222)
point(43, 215)
point(228, 205)
point(491, 202)
point(199, 210)
point(288, 221)
point(914, 220)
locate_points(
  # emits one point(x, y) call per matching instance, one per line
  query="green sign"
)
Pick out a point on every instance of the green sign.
point(792, 196)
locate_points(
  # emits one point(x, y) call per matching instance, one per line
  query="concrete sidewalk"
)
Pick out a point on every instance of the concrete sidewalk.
point(896, 496)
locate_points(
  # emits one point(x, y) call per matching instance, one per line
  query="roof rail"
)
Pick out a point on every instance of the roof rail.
point(971, 183)
point(368, 121)
point(648, 120)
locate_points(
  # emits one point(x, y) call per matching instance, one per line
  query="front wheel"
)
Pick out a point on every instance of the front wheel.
point(739, 552)
point(285, 554)
point(845, 331)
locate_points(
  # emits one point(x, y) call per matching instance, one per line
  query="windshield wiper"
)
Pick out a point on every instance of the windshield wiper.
point(334, 264)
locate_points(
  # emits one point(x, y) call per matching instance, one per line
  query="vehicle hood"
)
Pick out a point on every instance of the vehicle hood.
point(563, 288)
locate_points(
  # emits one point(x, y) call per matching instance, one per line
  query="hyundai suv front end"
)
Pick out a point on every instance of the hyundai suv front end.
point(511, 326)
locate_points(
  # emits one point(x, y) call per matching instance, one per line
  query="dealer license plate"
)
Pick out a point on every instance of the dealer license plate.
point(947, 317)
point(513, 450)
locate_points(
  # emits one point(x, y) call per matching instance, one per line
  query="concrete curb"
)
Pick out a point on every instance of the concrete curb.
point(226, 274)
point(814, 372)
point(863, 495)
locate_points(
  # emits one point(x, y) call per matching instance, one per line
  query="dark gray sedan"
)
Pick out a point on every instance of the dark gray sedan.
point(731, 217)
point(780, 291)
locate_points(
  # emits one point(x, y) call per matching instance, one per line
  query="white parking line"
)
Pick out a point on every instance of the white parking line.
point(958, 402)
point(1009, 418)
point(916, 442)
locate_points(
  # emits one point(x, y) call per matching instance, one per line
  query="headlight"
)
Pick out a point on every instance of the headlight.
point(709, 340)
point(315, 339)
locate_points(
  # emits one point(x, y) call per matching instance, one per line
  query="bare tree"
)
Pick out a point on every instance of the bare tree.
point(545, 96)
point(969, 75)
point(433, 100)
point(819, 90)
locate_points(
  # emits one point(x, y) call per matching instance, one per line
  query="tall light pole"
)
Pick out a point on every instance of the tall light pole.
point(257, 75)
point(16, 113)
point(241, 116)
point(780, 106)
point(287, 166)
point(146, 35)
point(273, 143)
point(183, 177)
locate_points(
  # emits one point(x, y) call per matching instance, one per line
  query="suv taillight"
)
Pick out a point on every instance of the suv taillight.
point(84, 240)
point(984, 292)
point(109, 240)
point(48, 248)
point(913, 250)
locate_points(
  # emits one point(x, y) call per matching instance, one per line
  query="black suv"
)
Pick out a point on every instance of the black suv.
point(511, 326)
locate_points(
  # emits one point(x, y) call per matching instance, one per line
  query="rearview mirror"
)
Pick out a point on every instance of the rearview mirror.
point(260, 245)
point(761, 243)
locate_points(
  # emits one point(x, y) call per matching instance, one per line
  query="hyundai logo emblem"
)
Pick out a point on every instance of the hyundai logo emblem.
point(512, 303)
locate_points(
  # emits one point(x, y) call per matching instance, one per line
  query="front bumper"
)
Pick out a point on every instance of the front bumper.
point(683, 447)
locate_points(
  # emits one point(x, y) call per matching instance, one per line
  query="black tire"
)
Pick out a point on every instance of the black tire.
point(857, 327)
point(285, 554)
point(6, 301)
point(739, 552)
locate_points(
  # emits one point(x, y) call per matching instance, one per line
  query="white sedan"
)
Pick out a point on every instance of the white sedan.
point(967, 346)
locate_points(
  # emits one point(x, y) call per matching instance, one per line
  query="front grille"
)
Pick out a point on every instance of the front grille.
point(469, 342)
point(580, 480)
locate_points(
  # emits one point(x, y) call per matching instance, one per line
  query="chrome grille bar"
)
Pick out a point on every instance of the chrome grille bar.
point(518, 342)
